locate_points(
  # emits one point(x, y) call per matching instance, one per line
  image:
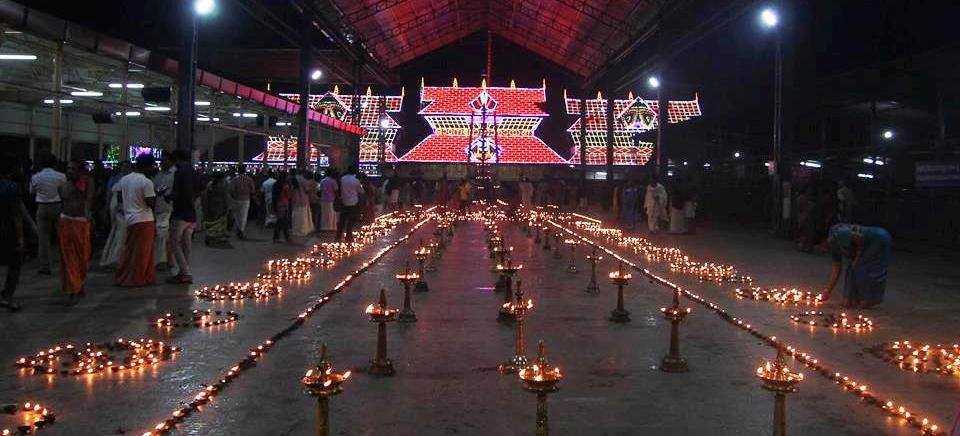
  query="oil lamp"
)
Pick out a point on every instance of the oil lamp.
point(407, 278)
point(673, 361)
point(421, 254)
point(594, 259)
point(620, 278)
point(540, 378)
point(777, 377)
point(34, 417)
point(519, 309)
point(322, 382)
point(572, 266)
point(381, 314)
point(507, 271)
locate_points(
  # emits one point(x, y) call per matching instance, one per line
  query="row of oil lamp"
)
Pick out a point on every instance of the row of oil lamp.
point(256, 352)
point(70, 359)
point(33, 416)
point(775, 370)
point(200, 318)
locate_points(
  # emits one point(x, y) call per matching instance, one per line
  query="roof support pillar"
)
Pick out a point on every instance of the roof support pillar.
point(186, 80)
point(303, 123)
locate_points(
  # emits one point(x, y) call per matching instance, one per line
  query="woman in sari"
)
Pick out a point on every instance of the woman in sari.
point(216, 208)
point(302, 220)
point(867, 253)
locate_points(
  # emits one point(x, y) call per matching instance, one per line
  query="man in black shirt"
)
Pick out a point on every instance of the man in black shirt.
point(183, 219)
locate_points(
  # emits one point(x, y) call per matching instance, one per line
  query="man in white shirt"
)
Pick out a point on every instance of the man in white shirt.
point(45, 186)
point(138, 199)
point(655, 203)
point(267, 189)
point(350, 191)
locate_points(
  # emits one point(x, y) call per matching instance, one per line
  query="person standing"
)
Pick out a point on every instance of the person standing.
point(311, 187)
point(241, 188)
point(301, 221)
point(654, 204)
point(216, 208)
point(463, 196)
point(526, 192)
point(45, 186)
point(162, 183)
point(12, 243)
point(846, 201)
point(628, 205)
point(267, 189)
point(74, 231)
point(281, 208)
point(118, 226)
point(328, 195)
point(350, 191)
point(183, 216)
point(138, 197)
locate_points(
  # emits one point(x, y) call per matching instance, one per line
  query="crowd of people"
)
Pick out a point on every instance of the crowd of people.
point(142, 217)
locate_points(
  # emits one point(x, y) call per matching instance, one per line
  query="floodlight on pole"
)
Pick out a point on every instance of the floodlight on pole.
point(653, 82)
point(888, 134)
point(769, 18)
point(204, 7)
point(316, 74)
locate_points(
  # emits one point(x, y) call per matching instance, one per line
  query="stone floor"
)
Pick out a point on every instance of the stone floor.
point(446, 381)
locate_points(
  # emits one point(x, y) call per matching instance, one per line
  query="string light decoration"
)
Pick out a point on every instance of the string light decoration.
point(858, 323)
point(33, 415)
point(920, 357)
point(847, 383)
point(197, 318)
point(376, 116)
point(632, 117)
point(461, 119)
point(89, 358)
point(780, 296)
point(282, 149)
point(256, 352)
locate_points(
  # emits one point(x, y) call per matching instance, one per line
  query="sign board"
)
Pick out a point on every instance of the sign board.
point(933, 174)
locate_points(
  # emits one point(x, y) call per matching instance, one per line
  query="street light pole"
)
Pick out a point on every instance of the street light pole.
point(778, 133)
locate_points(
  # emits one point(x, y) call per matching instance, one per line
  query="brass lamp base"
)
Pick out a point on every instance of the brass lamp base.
point(382, 367)
point(620, 315)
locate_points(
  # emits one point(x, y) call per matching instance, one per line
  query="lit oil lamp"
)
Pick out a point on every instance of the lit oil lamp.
point(594, 259)
point(572, 266)
point(673, 361)
point(33, 415)
point(381, 314)
point(421, 253)
point(507, 271)
point(620, 278)
point(519, 309)
point(777, 377)
point(540, 378)
point(407, 278)
point(323, 382)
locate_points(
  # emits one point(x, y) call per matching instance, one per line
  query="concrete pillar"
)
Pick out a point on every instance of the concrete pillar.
point(31, 135)
point(57, 82)
point(124, 121)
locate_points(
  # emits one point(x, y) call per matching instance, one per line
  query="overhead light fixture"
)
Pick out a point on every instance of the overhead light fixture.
point(653, 82)
point(237, 114)
point(865, 175)
point(129, 85)
point(202, 118)
point(86, 94)
point(879, 161)
point(12, 32)
point(282, 124)
point(132, 113)
point(706, 164)
point(201, 103)
point(316, 74)
point(769, 18)
point(17, 57)
point(868, 160)
point(216, 120)
point(204, 7)
point(157, 108)
point(385, 123)
point(736, 155)
point(888, 134)
point(62, 101)
point(249, 115)
point(811, 164)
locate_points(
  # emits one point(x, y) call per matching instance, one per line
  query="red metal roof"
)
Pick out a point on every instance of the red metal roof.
point(580, 35)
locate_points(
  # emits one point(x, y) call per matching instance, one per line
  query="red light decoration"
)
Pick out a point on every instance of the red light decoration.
point(457, 115)
point(275, 151)
point(340, 106)
point(631, 117)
